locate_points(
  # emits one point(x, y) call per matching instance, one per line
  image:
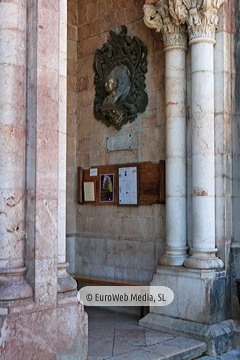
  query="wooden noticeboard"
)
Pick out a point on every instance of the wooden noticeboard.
point(150, 184)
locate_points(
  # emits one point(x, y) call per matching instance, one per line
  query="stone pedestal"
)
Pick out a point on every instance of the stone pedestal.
point(199, 295)
point(220, 337)
point(200, 308)
point(235, 275)
point(54, 334)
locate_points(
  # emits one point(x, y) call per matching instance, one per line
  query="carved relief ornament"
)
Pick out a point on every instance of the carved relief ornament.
point(120, 68)
point(201, 17)
point(161, 17)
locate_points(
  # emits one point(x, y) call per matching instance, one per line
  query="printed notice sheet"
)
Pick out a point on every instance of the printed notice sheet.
point(89, 191)
point(128, 192)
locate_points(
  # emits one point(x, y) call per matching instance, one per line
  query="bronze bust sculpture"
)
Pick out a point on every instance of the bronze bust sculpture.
point(117, 85)
point(120, 68)
point(111, 88)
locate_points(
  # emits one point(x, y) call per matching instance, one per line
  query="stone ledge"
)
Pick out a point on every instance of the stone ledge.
point(192, 273)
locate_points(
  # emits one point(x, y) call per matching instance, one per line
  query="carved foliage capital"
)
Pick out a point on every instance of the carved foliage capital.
point(201, 16)
point(159, 17)
point(169, 17)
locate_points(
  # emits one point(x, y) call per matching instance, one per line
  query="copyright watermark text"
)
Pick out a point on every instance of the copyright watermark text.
point(125, 295)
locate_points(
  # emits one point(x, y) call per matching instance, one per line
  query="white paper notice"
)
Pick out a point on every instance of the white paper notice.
point(89, 193)
point(128, 186)
point(93, 172)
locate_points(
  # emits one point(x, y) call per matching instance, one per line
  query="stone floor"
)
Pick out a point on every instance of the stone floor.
point(114, 335)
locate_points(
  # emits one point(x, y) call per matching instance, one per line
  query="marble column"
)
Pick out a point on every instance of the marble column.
point(203, 305)
point(175, 47)
point(47, 322)
point(13, 285)
point(202, 22)
point(65, 282)
point(46, 153)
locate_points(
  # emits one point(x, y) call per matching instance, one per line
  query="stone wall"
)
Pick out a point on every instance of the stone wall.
point(120, 236)
point(111, 241)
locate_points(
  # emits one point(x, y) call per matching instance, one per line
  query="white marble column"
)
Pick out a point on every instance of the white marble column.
point(175, 47)
point(203, 161)
point(65, 281)
point(202, 23)
point(13, 285)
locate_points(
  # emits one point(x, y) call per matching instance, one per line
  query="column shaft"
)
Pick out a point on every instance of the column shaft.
point(203, 169)
point(13, 286)
point(175, 47)
point(65, 281)
point(175, 85)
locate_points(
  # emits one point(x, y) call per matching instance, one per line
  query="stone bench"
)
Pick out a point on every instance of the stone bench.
point(80, 278)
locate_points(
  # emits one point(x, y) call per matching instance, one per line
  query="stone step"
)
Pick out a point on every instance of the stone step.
point(115, 335)
point(178, 348)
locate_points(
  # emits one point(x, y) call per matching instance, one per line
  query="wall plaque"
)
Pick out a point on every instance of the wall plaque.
point(128, 185)
point(120, 68)
point(121, 142)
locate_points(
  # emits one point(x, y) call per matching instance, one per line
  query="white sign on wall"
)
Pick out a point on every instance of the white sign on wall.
point(128, 185)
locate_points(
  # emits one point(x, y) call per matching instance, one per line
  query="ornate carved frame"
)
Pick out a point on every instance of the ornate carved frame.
point(121, 49)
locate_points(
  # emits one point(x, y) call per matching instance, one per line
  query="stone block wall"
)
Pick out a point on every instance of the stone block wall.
point(111, 241)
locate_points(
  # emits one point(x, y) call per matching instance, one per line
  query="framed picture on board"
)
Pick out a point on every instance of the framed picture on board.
point(106, 188)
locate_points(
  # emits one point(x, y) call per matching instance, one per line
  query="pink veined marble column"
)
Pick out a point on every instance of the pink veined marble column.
point(13, 285)
point(38, 318)
point(46, 153)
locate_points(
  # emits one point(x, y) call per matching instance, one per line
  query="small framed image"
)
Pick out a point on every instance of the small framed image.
point(89, 191)
point(107, 188)
point(128, 185)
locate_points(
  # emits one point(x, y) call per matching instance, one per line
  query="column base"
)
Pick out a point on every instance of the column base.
point(199, 295)
point(203, 260)
point(200, 303)
point(218, 337)
point(66, 282)
point(174, 256)
point(13, 285)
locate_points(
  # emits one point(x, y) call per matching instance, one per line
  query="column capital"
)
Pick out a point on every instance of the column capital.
point(158, 16)
point(201, 17)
